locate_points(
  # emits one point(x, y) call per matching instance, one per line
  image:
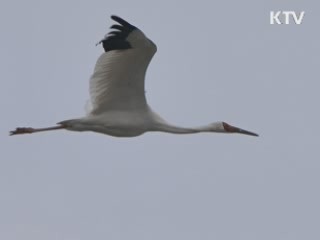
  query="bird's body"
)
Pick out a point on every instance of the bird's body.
point(117, 123)
point(118, 105)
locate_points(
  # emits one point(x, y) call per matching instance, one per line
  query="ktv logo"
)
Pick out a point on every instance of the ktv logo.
point(286, 17)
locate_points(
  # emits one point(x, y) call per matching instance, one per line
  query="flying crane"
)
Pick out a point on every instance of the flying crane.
point(117, 92)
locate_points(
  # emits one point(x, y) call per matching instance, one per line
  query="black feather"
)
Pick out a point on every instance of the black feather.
point(117, 40)
point(118, 27)
point(121, 21)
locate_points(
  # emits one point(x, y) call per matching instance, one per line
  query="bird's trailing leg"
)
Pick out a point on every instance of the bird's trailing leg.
point(25, 130)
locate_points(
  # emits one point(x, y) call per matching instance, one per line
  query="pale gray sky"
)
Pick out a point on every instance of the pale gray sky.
point(216, 61)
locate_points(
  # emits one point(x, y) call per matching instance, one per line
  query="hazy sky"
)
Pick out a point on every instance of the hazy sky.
point(216, 60)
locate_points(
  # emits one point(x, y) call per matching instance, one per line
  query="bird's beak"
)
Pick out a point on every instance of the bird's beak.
point(242, 131)
point(231, 129)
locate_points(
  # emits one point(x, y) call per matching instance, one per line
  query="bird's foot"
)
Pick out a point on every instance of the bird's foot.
point(21, 131)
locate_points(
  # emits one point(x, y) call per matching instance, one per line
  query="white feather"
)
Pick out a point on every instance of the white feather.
point(118, 79)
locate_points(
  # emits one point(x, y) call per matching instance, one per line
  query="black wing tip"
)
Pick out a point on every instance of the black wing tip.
point(117, 40)
point(122, 22)
point(117, 18)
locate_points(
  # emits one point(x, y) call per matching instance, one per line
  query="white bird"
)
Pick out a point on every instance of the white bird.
point(117, 91)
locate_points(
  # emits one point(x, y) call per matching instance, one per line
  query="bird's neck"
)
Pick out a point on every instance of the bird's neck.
point(213, 127)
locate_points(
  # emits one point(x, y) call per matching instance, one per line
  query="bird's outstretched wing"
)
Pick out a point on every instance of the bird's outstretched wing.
point(118, 79)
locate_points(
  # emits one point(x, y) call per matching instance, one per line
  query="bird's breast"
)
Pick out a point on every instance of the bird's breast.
point(120, 123)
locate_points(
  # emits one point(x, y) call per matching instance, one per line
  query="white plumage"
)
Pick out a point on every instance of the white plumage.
point(117, 91)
